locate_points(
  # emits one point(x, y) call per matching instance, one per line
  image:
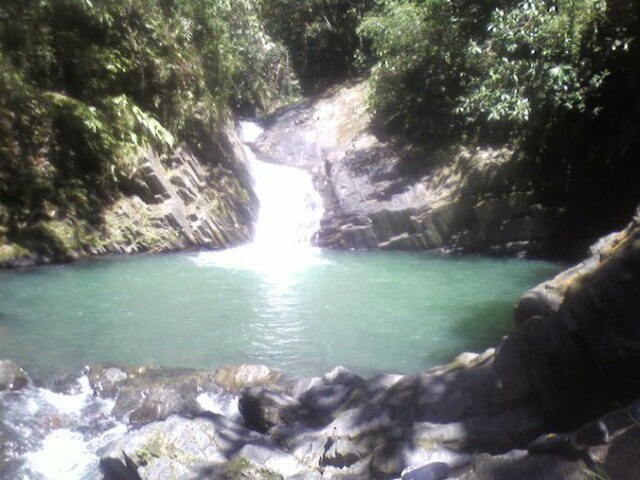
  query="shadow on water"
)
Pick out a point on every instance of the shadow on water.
point(483, 325)
point(7, 318)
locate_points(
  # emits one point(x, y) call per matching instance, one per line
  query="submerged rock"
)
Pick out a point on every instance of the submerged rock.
point(12, 377)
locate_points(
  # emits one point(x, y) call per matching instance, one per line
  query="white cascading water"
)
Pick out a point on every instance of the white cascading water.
point(55, 436)
point(290, 206)
point(290, 214)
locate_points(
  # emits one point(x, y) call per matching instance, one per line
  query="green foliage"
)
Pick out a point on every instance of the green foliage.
point(420, 69)
point(321, 36)
point(559, 79)
point(86, 85)
point(532, 63)
point(502, 68)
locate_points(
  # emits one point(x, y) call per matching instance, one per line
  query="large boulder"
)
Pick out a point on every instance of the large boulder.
point(263, 409)
point(209, 446)
point(576, 349)
point(147, 394)
point(236, 377)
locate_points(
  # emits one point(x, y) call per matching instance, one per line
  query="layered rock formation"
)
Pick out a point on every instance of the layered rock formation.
point(385, 195)
point(173, 201)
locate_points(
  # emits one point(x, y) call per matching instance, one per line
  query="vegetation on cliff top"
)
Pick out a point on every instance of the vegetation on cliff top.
point(497, 66)
point(558, 78)
point(321, 36)
point(86, 85)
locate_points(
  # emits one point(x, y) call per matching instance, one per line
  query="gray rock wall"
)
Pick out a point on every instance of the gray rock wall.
point(386, 195)
point(578, 336)
point(179, 200)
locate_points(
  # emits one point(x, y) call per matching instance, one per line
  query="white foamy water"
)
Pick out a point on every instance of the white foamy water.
point(64, 455)
point(55, 436)
point(222, 405)
point(289, 216)
point(69, 404)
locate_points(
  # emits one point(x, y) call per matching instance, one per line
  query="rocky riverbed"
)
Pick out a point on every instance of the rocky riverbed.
point(555, 400)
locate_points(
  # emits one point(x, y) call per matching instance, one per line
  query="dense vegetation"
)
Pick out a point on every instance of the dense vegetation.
point(87, 85)
point(321, 36)
point(560, 79)
point(500, 66)
point(557, 79)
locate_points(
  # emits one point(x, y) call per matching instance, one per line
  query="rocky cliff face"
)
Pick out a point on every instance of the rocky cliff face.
point(384, 195)
point(173, 201)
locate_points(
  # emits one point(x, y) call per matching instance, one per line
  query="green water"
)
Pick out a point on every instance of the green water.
point(370, 312)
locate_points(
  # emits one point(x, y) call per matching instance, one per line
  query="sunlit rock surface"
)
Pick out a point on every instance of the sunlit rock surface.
point(380, 194)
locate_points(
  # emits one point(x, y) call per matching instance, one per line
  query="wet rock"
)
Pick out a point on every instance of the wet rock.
point(116, 469)
point(325, 395)
point(204, 447)
point(492, 211)
point(432, 471)
point(620, 458)
point(106, 380)
point(236, 377)
point(539, 302)
point(270, 458)
point(592, 434)
point(576, 344)
point(343, 452)
point(380, 383)
point(148, 394)
point(388, 460)
point(184, 444)
point(12, 377)
point(306, 476)
point(404, 448)
point(519, 465)
point(263, 409)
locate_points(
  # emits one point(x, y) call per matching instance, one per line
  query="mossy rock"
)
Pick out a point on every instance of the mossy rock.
point(11, 252)
point(242, 469)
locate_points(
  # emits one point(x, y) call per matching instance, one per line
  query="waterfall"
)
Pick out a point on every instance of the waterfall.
point(289, 215)
point(290, 206)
